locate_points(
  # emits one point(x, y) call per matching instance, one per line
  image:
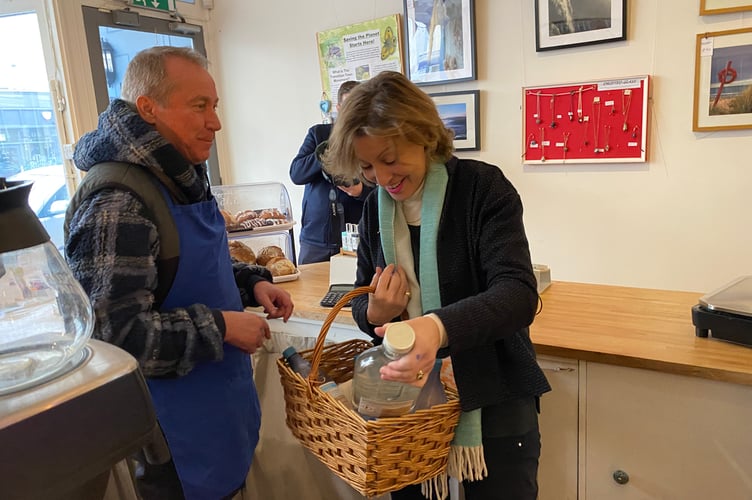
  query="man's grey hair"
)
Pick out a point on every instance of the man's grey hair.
point(146, 74)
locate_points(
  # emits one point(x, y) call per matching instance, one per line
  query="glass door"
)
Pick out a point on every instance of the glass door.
point(29, 113)
point(114, 37)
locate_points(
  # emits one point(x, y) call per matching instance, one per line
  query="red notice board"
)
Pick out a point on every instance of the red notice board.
point(591, 122)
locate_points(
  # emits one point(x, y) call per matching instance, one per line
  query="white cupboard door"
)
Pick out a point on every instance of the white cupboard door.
point(665, 436)
point(557, 473)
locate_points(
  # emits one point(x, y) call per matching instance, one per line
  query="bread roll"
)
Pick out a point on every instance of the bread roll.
point(280, 266)
point(241, 252)
point(271, 213)
point(230, 219)
point(267, 253)
point(244, 215)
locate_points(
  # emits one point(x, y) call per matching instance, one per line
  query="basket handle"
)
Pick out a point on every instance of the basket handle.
point(319, 347)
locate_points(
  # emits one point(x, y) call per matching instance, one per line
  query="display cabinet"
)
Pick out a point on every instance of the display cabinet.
point(259, 214)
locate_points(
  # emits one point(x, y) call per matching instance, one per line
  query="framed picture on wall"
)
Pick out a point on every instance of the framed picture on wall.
point(571, 23)
point(460, 112)
point(603, 121)
point(440, 41)
point(723, 6)
point(723, 72)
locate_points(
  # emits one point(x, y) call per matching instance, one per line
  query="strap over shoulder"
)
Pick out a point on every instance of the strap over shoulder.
point(142, 184)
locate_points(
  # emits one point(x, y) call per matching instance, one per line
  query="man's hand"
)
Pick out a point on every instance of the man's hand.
point(276, 302)
point(246, 331)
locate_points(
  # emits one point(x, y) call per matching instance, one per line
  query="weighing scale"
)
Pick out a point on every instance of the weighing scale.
point(726, 313)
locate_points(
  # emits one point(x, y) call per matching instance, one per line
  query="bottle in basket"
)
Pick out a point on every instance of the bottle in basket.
point(432, 393)
point(374, 397)
point(302, 366)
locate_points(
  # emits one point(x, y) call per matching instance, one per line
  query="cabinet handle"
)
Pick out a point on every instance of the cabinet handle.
point(621, 477)
point(555, 368)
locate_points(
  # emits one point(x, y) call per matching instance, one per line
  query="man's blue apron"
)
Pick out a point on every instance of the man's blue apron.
point(211, 416)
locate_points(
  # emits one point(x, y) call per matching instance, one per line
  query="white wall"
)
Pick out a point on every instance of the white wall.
point(680, 221)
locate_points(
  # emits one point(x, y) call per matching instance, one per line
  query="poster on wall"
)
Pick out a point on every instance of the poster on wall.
point(357, 52)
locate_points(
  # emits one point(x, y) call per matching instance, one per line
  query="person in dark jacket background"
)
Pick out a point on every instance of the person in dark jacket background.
point(328, 202)
point(443, 241)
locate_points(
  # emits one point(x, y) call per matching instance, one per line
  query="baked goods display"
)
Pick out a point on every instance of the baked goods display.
point(272, 257)
point(259, 222)
point(241, 252)
point(281, 266)
point(246, 220)
point(268, 253)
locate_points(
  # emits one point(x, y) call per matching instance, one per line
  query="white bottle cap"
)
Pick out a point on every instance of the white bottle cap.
point(399, 338)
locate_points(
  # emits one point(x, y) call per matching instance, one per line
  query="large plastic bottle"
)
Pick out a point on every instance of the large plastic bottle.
point(302, 366)
point(374, 397)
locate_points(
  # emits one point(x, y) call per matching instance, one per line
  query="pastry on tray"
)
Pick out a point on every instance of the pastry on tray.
point(268, 253)
point(280, 266)
point(241, 252)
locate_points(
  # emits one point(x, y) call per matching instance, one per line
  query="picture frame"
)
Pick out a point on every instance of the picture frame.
point(724, 6)
point(460, 112)
point(587, 122)
point(723, 62)
point(453, 58)
point(562, 24)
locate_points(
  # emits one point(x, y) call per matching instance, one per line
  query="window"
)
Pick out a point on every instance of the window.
point(29, 139)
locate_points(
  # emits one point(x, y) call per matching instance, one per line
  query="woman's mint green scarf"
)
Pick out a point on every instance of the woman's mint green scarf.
point(466, 454)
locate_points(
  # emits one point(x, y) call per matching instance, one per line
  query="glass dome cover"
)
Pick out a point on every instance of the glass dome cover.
point(45, 316)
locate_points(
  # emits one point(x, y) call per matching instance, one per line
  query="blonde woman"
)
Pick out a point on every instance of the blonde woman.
point(442, 239)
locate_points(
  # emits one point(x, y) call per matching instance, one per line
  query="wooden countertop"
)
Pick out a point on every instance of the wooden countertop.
point(309, 289)
point(635, 327)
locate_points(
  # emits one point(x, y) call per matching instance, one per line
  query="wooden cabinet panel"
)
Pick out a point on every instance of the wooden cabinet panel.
point(557, 473)
point(676, 437)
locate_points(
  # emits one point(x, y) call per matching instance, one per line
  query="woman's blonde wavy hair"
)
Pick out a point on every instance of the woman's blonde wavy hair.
point(387, 105)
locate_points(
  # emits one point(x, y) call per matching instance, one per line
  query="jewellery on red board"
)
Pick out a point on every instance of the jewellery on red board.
point(634, 131)
point(585, 142)
point(570, 113)
point(596, 123)
point(565, 148)
point(626, 101)
point(553, 111)
point(537, 109)
point(608, 139)
point(579, 105)
point(543, 143)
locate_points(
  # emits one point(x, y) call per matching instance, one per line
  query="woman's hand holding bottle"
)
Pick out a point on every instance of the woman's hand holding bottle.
point(414, 367)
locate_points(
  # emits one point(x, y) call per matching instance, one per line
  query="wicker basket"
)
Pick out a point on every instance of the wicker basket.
point(374, 456)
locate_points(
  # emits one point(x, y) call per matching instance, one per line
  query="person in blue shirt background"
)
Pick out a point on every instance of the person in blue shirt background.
point(328, 202)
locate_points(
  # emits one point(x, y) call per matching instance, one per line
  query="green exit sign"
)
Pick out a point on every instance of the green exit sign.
point(163, 5)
